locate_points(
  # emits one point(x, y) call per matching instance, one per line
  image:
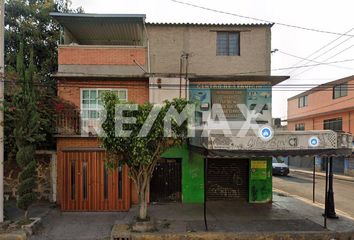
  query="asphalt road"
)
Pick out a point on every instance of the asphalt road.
point(301, 185)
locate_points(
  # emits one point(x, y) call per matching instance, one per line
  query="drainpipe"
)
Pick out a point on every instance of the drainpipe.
point(148, 47)
point(151, 94)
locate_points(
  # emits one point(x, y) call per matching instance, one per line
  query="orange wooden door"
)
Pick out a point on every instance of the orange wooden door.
point(87, 185)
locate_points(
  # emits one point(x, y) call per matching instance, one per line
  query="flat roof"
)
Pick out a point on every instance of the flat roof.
point(95, 15)
point(209, 24)
point(102, 29)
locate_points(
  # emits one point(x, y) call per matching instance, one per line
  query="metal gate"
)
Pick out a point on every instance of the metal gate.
point(86, 185)
point(165, 183)
point(227, 179)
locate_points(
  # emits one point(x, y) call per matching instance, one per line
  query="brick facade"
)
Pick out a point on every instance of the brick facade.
point(79, 55)
point(138, 90)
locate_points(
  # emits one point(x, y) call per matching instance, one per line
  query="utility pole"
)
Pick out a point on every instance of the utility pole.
point(2, 74)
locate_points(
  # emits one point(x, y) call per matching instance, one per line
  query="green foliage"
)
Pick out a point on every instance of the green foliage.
point(26, 132)
point(138, 151)
point(140, 154)
point(28, 22)
point(30, 33)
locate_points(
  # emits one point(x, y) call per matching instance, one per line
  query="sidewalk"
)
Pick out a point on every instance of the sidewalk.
point(321, 174)
point(286, 216)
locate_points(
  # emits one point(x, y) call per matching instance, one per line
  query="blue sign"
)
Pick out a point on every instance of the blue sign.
point(314, 141)
point(266, 133)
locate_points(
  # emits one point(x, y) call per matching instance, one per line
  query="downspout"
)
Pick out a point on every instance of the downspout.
point(349, 123)
point(148, 47)
point(148, 62)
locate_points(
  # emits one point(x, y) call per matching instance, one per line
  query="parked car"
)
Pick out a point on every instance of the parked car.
point(279, 167)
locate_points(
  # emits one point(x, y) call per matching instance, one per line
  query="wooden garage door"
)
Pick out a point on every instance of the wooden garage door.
point(86, 185)
point(227, 179)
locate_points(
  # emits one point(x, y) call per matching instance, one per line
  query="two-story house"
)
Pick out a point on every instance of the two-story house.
point(226, 64)
point(327, 106)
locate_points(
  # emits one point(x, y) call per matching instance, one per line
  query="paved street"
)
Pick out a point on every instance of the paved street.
point(301, 185)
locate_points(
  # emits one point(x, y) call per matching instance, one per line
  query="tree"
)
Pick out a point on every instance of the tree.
point(27, 124)
point(28, 22)
point(140, 154)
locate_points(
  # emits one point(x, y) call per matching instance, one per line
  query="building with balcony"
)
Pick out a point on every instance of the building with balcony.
point(224, 64)
point(329, 106)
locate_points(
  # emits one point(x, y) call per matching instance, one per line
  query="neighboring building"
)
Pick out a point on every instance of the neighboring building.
point(228, 64)
point(327, 106)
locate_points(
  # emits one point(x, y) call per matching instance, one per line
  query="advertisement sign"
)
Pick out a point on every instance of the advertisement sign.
point(258, 169)
point(228, 99)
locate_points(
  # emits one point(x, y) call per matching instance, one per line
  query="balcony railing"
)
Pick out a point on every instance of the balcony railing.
point(68, 122)
point(72, 123)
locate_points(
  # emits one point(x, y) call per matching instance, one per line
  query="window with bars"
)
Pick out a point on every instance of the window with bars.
point(91, 102)
point(228, 44)
point(299, 127)
point(334, 124)
point(340, 90)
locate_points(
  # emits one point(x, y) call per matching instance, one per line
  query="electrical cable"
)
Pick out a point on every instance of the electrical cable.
point(259, 19)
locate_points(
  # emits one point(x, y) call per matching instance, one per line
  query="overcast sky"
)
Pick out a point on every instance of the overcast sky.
point(328, 15)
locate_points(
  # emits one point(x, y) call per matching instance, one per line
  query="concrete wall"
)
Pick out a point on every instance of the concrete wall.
point(321, 102)
point(316, 122)
point(167, 42)
point(168, 89)
point(321, 106)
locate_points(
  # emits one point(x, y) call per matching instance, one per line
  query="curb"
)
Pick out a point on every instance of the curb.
point(20, 235)
point(326, 235)
point(321, 174)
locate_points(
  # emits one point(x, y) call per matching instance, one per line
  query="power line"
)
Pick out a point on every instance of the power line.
point(323, 47)
point(259, 19)
point(301, 66)
point(336, 54)
point(310, 60)
point(146, 86)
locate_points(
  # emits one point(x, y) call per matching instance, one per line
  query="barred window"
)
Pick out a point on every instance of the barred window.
point(91, 102)
point(228, 44)
point(299, 127)
point(334, 124)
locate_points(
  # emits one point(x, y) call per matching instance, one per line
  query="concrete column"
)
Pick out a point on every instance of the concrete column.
point(53, 175)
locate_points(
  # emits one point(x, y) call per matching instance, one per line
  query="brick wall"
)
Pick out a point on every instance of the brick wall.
point(69, 90)
point(100, 55)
